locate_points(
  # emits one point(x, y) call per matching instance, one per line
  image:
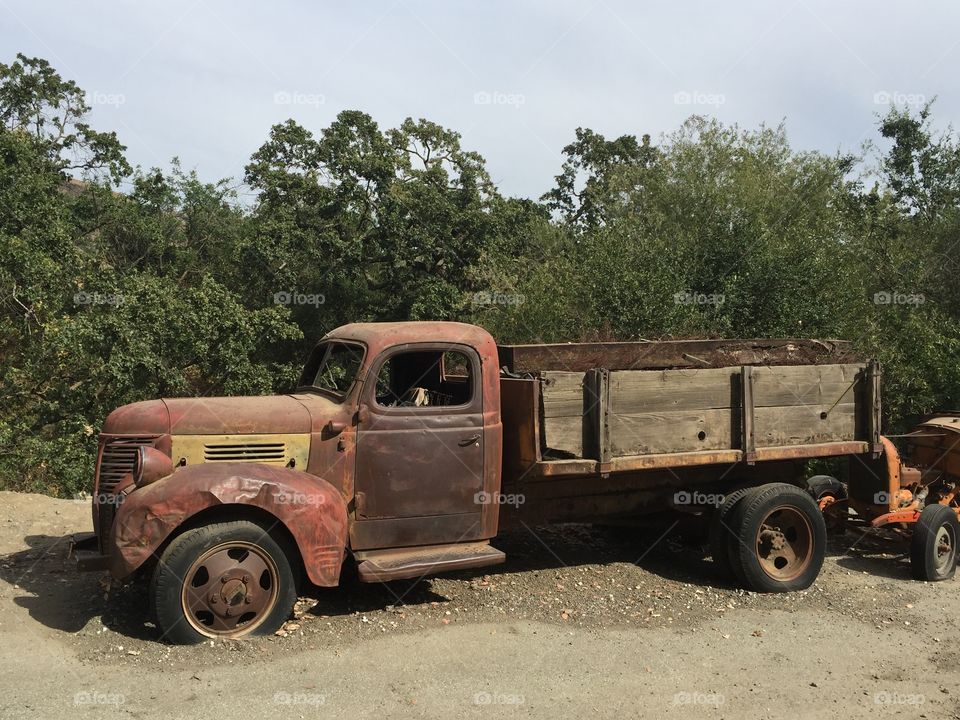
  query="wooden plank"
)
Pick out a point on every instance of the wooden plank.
point(519, 410)
point(580, 357)
point(670, 432)
point(805, 385)
point(804, 424)
point(562, 394)
point(552, 469)
point(651, 391)
point(563, 421)
point(564, 434)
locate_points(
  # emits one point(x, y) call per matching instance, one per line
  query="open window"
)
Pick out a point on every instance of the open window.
point(427, 378)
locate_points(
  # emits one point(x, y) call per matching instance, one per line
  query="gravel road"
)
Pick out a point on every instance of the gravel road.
point(580, 622)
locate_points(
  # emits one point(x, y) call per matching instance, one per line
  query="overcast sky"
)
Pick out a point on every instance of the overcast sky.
point(205, 80)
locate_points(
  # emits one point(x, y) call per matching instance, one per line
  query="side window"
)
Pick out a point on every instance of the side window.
point(425, 378)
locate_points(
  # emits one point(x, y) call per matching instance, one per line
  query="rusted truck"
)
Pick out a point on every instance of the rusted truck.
point(408, 447)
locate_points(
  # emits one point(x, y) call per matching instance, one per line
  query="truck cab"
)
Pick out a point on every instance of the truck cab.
point(388, 450)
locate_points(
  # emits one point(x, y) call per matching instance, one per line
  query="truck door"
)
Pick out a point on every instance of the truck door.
point(419, 454)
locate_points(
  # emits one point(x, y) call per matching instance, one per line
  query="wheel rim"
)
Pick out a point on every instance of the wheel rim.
point(784, 543)
point(944, 547)
point(230, 590)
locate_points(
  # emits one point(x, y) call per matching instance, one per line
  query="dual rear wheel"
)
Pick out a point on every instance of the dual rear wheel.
point(771, 538)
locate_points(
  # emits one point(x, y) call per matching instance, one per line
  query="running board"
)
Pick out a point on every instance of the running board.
point(417, 562)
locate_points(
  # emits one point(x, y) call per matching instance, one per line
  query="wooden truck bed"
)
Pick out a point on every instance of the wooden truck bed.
point(786, 400)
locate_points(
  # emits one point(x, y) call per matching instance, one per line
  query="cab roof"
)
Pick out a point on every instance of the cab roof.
point(383, 334)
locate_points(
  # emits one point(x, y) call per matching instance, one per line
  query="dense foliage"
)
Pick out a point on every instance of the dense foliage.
point(172, 287)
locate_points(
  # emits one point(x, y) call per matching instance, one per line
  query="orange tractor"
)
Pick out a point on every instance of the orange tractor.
point(913, 494)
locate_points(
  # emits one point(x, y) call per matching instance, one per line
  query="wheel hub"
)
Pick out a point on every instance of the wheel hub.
point(230, 590)
point(784, 543)
point(233, 591)
point(944, 547)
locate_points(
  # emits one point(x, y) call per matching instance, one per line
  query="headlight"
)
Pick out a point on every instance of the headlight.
point(150, 465)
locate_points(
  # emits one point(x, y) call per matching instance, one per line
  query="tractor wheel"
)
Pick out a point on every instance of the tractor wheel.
point(933, 547)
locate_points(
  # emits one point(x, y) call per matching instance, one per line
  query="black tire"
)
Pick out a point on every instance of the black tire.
point(781, 539)
point(179, 581)
point(933, 547)
point(721, 533)
point(820, 486)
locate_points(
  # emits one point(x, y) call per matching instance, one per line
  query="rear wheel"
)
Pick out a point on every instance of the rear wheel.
point(223, 580)
point(933, 546)
point(722, 535)
point(780, 539)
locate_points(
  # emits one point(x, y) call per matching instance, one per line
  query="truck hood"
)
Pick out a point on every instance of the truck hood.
point(210, 416)
point(237, 415)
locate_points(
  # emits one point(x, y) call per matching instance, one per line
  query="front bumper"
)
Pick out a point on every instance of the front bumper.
point(85, 549)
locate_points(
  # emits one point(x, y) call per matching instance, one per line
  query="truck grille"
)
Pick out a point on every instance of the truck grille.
point(116, 460)
point(275, 452)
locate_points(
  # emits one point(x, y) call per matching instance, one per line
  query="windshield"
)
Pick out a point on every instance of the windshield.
point(333, 367)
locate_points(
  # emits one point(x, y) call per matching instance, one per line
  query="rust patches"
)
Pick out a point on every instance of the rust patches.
point(308, 507)
point(237, 415)
point(149, 417)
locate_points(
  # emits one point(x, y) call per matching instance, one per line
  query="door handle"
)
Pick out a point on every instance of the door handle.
point(473, 439)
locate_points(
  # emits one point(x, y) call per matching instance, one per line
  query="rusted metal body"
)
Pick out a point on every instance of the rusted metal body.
point(347, 469)
point(893, 489)
point(306, 507)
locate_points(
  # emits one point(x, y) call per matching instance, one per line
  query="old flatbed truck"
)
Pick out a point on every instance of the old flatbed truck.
point(409, 446)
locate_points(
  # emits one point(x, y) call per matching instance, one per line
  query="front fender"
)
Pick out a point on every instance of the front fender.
point(310, 508)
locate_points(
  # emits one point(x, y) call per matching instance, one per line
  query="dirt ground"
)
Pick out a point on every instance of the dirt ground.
point(580, 622)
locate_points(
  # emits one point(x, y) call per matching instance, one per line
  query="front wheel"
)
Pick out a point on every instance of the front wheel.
point(933, 546)
point(223, 580)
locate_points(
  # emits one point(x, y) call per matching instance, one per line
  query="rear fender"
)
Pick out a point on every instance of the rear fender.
point(311, 509)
